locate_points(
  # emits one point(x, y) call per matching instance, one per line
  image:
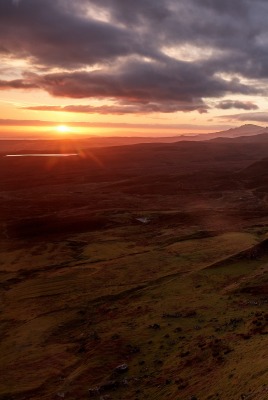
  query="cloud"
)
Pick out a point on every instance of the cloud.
point(54, 33)
point(243, 105)
point(139, 87)
point(121, 109)
point(228, 7)
point(133, 52)
point(17, 84)
point(135, 87)
point(251, 117)
point(19, 122)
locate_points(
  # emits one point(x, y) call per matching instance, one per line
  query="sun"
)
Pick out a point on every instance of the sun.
point(63, 129)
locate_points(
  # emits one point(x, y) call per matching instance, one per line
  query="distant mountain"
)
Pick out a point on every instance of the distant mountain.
point(256, 138)
point(244, 130)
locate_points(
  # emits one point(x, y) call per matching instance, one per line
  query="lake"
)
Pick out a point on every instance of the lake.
point(43, 155)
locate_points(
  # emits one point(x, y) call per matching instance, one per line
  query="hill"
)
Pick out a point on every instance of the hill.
point(256, 138)
point(136, 272)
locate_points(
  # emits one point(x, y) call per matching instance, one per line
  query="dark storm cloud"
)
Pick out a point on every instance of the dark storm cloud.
point(51, 33)
point(136, 12)
point(129, 44)
point(17, 84)
point(171, 22)
point(242, 105)
point(170, 87)
point(140, 87)
point(229, 7)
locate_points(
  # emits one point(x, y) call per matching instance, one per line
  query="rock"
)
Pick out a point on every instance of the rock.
point(184, 353)
point(190, 314)
point(154, 326)
point(172, 315)
point(133, 349)
point(120, 369)
point(110, 385)
point(143, 220)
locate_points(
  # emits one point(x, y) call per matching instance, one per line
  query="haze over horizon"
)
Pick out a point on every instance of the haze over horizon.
point(123, 68)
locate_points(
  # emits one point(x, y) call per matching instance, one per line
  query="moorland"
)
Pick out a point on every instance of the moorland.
point(135, 271)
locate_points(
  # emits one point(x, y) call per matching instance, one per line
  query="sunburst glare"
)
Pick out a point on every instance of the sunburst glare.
point(63, 129)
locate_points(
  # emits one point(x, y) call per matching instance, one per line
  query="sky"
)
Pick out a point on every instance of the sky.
point(132, 68)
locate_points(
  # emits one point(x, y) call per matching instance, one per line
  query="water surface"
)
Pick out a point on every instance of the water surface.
point(43, 155)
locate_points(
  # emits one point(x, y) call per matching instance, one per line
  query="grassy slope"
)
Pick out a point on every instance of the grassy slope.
point(85, 287)
point(74, 310)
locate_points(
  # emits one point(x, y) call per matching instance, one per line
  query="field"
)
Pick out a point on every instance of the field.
point(135, 272)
